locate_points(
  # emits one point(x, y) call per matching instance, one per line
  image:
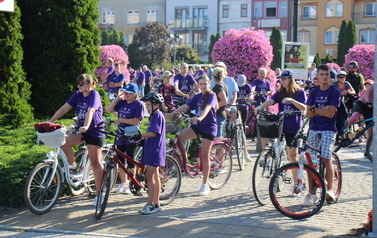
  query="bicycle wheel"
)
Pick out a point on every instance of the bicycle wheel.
point(240, 146)
point(264, 169)
point(38, 195)
point(80, 161)
point(369, 148)
point(221, 165)
point(103, 194)
point(290, 203)
point(171, 178)
point(337, 177)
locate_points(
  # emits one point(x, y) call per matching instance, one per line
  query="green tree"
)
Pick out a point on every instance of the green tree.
point(151, 46)
point(350, 37)
point(14, 90)
point(187, 54)
point(61, 42)
point(277, 47)
point(341, 41)
point(113, 37)
point(133, 51)
point(317, 60)
point(328, 59)
point(213, 39)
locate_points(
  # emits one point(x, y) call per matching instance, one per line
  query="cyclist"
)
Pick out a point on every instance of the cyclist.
point(130, 113)
point(244, 94)
point(154, 150)
point(344, 86)
point(105, 79)
point(205, 105)
point(261, 85)
point(220, 89)
point(185, 81)
point(116, 81)
point(167, 90)
point(87, 102)
point(323, 130)
point(290, 97)
point(356, 80)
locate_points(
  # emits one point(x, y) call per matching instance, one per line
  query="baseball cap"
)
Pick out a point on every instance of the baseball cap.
point(221, 64)
point(145, 67)
point(241, 79)
point(131, 88)
point(286, 73)
point(371, 82)
point(167, 74)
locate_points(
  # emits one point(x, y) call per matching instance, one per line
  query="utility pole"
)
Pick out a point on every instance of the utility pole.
point(295, 19)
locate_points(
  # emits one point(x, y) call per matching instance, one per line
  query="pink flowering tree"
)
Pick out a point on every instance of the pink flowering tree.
point(244, 51)
point(117, 54)
point(335, 66)
point(364, 56)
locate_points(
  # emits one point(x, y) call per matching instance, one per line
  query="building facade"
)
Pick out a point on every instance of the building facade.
point(236, 14)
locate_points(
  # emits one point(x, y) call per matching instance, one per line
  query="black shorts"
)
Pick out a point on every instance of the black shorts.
point(364, 110)
point(91, 140)
point(289, 139)
point(128, 150)
point(204, 135)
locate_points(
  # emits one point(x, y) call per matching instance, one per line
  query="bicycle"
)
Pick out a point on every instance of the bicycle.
point(170, 176)
point(44, 182)
point(272, 157)
point(350, 135)
point(287, 199)
point(221, 163)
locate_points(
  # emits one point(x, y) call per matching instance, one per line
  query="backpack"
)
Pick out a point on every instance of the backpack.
point(340, 115)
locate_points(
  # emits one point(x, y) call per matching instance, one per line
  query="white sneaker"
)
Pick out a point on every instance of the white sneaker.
point(123, 188)
point(158, 208)
point(330, 196)
point(204, 189)
point(148, 209)
point(248, 158)
point(310, 199)
point(96, 200)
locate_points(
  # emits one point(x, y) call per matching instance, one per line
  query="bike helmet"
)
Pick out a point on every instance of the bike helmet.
point(153, 97)
point(354, 63)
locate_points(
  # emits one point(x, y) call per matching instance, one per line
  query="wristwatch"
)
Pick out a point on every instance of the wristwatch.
point(312, 109)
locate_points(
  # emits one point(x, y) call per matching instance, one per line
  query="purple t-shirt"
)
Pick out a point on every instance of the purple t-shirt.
point(320, 99)
point(261, 87)
point(140, 78)
point(154, 150)
point(81, 103)
point(208, 124)
point(128, 111)
point(116, 79)
point(110, 71)
point(184, 83)
point(148, 75)
point(292, 124)
point(243, 94)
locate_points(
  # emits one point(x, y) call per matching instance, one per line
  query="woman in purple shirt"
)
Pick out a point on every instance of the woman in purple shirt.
point(87, 102)
point(205, 105)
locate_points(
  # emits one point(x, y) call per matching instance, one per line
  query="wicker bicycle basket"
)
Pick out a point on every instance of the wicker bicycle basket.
point(270, 126)
point(53, 139)
point(173, 123)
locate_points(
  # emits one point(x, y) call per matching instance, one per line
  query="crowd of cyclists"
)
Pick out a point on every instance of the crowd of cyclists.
point(211, 95)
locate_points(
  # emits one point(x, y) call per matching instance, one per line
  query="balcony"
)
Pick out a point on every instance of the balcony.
point(200, 48)
point(364, 17)
point(105, 26)
point(192, 23)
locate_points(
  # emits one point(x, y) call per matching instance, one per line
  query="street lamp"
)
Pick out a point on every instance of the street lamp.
point(174, 38)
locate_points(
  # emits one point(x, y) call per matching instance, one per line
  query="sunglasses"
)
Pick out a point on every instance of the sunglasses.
point(341, 77)
point(81, 84)
point(351, 67)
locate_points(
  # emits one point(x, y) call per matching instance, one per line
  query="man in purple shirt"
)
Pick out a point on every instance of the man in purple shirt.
point(322, 105)
point(148, 79)
point(185, 81)
point(140, 81)
point(261, 85)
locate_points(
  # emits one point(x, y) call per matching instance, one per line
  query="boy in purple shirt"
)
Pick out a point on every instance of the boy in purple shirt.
point(148, 78)
point(105, 79)
point(322, 105)
point(140, 81)
point(154, 150)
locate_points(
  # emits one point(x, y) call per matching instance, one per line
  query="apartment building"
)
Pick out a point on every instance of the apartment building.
point(320, 21)
point(234, 14)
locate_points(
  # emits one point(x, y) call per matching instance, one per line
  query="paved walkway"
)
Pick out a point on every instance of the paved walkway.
point(229, 212)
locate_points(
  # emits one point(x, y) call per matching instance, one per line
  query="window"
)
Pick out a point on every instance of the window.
point(331, 37)
point(330, 52)
point(258, 10)
point(225, 11)
point(200, 42)
point(200, 17)
point(334, 10)
point(367, 36)
point(304, 36)
point(108, 17)
point(309, 12)
point(181, 17)
point(283, 9)
point(270, 9)
point(243, 10)
point(132, 16)
point(370, 9)
point(151, 15)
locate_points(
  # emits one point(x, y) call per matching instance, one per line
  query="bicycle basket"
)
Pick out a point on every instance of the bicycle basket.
point(53, 139)
point(270, 126)
point(172, 122)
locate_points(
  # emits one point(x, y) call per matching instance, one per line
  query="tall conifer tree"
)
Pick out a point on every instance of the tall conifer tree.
point(341, 42)
point(277, 47)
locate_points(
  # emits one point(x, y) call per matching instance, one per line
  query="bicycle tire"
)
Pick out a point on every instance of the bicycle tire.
point(104, 191)
point(337, 178)
point(39, 198)
point(170, 179)
point(281, 194)
point(369, 148)
point(262, 173)
point(240, 147)
point(221, 165)
point(79, 156)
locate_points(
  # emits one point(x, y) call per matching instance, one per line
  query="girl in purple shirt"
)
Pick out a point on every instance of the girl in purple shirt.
point(87, 102)
point(205, 105)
